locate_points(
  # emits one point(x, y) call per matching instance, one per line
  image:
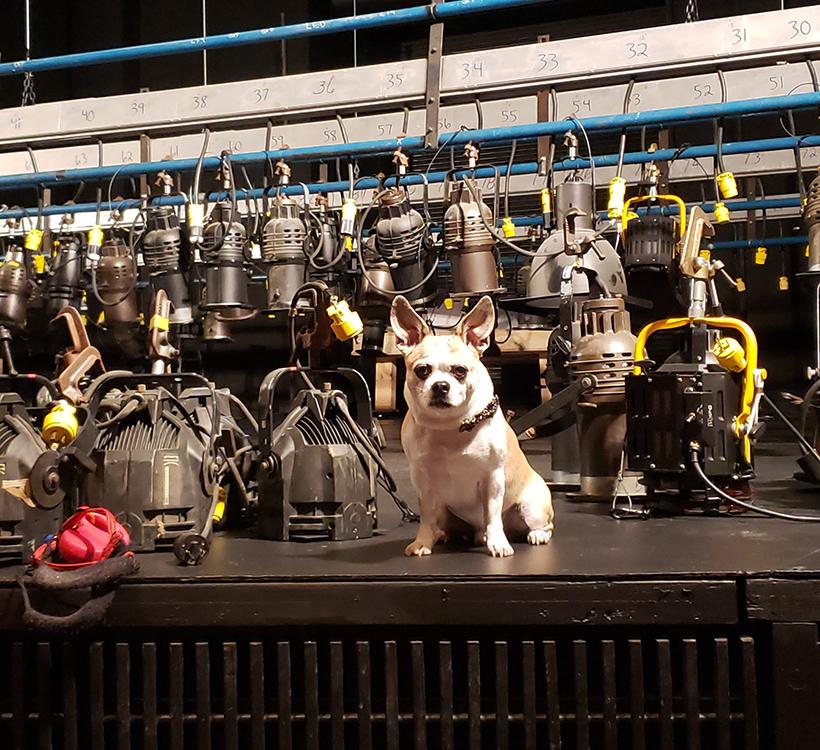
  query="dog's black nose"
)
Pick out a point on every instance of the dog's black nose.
point(441, 388)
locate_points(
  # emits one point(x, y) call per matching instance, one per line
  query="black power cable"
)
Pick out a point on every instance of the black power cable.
point(696, 464)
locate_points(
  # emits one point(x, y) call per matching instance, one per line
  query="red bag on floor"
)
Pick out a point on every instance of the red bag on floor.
point(89, 536)
point(88, 553)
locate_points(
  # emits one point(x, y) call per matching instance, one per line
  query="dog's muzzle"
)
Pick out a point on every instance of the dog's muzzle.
point(440, 393)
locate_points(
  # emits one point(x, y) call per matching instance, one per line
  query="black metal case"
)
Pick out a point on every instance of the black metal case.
point(156, 454)
point(666, 411)
point(316, 478)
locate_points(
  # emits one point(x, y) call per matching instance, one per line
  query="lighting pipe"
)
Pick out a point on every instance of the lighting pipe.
point(418, 14)
point(742, 205)
point(527, 168)
point(520, 132)
point(536, 221)
point(749, 244)
point(131, 203)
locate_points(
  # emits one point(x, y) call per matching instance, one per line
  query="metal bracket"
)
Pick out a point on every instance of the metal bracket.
point(46, 246)
point(544, 99)
point(80, 359)
point(545, 113)
point(432, 92)
point(556, 407)
point(664, 142)
point(145, 155)
point(161, 350)
point(751, 214)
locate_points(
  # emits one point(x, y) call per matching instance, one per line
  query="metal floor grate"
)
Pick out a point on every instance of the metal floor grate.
point(440, 693)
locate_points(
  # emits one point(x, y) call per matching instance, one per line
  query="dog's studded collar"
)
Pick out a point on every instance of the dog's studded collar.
point(468, 424)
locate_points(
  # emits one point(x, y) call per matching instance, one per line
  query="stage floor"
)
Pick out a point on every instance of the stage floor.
point(590, 547)
point(587, 541)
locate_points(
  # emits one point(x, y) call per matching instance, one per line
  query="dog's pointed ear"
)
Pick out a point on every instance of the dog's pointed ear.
point(409, 328)
point(477, 326)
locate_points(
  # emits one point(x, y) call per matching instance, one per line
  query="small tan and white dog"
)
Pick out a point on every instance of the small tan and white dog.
point(465, 460)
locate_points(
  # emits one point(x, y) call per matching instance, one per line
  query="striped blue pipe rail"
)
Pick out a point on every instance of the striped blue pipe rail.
point(418, 14)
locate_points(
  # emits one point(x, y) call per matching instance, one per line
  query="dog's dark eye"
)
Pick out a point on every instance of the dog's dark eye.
point(423, 372)
point(459, 372)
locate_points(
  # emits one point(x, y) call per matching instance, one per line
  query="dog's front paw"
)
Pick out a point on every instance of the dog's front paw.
point(539, 536)
point(499, 547)
point(417, 548)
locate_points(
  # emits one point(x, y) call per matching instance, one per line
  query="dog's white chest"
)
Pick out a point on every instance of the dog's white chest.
point(454, 472)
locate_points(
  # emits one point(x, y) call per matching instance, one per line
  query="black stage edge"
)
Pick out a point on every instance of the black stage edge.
point(691, 632)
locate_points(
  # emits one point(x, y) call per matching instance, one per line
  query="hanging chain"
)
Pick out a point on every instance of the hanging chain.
point(28, 78)
point(28, 90)
point(692, 11)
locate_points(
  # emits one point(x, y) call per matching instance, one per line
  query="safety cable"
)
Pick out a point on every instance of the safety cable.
point(198, 173)
point(390, 484)
point(507, 178)
point(591, 158)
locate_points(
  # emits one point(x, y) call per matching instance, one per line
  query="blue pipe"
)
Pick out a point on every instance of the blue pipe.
point(371, 183)
point(329, 187)
point(633, 120)
point(521, 132)
point(742, 205)
point(768, 242)
point(313, 188)
point(694, 152)
point(533, 221)
point(418, 14)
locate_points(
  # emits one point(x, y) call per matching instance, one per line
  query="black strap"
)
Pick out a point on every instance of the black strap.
point(90, 614)
point(101, 579)
point(105, 571)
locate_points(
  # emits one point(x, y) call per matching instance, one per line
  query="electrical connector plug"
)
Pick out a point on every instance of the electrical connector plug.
point(617, 193)
point(345, 323)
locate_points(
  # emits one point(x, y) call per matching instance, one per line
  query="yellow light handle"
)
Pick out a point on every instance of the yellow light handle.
point(730, 354)
point(744, 329)
point(348, 225)
point(221, 505)
point(349, 209)
point(196, 215)
point(645, 198)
